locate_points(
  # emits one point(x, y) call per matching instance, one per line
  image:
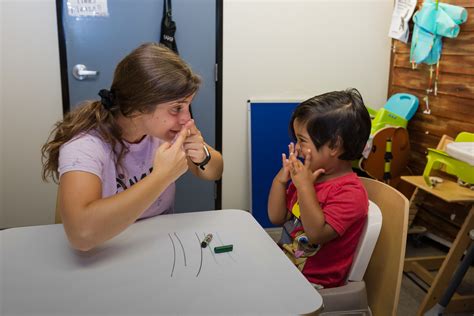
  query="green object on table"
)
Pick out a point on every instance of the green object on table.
point(225, 248)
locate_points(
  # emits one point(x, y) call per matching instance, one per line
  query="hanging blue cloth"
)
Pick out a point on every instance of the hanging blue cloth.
point(433, 21)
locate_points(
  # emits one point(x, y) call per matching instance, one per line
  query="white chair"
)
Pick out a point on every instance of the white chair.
point(353, 295)
point(373, 285)
point(366, 245)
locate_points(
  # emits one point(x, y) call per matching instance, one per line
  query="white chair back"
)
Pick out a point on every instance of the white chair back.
point(368, 239)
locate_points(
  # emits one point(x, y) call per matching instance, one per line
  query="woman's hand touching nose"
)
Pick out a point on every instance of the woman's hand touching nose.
point(194, 143)
point(170, 159)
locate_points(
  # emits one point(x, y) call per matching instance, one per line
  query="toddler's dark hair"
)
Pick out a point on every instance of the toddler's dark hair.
point(335, 117)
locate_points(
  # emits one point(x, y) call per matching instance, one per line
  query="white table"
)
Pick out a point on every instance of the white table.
point(143, 272)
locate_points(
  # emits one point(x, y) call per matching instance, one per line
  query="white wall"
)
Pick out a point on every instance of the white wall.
point(30, 105)
point(1, 116)
point(292, 50)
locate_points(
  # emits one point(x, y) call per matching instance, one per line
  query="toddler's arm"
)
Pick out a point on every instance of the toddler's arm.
point(312, 216)
point(277, 212)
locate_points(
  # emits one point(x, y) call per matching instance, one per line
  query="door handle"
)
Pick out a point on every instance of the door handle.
point(80, 72)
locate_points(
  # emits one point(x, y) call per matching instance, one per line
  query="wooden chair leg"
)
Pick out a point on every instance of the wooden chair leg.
point(441, 281)
point(417, 197)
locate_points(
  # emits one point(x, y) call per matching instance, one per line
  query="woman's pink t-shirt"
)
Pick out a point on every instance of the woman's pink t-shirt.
point(88, 152)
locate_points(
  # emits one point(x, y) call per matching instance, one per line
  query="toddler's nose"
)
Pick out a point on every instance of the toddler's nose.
point(297, 148)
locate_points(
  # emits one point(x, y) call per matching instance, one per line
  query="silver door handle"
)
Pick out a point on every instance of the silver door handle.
point(80, 72)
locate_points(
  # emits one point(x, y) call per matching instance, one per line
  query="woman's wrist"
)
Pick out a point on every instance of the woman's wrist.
point(205, 161)
point(160, 177)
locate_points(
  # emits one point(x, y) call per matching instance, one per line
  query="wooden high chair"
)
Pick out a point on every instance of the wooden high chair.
point(383, 275)
point(450, 192)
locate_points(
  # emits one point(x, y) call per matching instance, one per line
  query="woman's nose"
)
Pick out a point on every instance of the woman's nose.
point(184, 117)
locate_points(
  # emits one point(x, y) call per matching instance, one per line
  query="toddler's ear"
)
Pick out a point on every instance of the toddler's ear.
point(337, 148)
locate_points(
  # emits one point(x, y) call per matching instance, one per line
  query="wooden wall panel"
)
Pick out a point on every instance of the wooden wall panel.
point(461, 45)
point(448, 84)
point(462, 3)
point(452, 111)
point(452, 64)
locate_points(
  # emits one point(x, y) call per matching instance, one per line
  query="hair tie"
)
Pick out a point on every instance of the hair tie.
point(107, 99)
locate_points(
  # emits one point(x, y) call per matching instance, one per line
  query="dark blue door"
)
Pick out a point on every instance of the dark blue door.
point(99, 33)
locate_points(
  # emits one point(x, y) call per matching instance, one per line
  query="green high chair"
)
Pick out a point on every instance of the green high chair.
point(438, 158)
point(387, 150)
point(398, 110)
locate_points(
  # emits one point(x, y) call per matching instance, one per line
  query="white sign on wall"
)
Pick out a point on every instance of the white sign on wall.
point(402, 13)
point(87, 8)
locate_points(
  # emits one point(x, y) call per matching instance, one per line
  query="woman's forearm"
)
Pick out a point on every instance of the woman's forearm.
point(90, 224)
point(213, 170)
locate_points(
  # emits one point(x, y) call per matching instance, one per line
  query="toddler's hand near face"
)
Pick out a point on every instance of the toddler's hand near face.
point(300, 173)
point(283, 176)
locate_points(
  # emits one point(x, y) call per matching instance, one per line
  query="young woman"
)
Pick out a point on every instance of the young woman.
point(117, 159)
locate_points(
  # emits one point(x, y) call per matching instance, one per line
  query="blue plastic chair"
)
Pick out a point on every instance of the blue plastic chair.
point(403, 105)
point(396, 112)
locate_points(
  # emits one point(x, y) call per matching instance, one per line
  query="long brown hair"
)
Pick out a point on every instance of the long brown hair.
point(150, 75)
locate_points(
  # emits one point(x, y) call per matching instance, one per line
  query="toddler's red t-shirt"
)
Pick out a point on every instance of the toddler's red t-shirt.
point(345, 205)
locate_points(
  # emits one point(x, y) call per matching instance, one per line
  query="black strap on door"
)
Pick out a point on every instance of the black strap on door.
point(168, 27)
